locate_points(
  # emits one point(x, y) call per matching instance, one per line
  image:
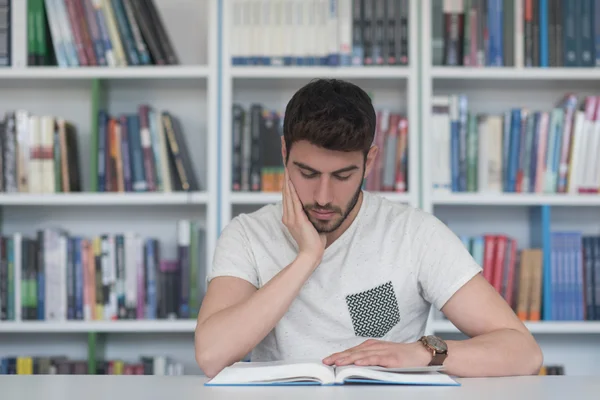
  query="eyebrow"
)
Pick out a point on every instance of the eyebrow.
point(339, 171)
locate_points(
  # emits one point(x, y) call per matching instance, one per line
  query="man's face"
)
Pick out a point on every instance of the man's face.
point(328, 183)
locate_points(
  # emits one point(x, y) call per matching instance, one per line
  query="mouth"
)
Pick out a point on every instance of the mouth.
point(322, 215)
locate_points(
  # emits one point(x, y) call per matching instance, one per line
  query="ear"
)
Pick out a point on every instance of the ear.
point(283, 150)
point(371, 155)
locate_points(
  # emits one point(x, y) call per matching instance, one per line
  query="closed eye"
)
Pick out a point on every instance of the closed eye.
point(342, 178)
point(309, 175)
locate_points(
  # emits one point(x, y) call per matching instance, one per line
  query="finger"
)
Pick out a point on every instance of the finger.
point(287, 198)
point(359, 355)
point(366, 344)
point(295, 200)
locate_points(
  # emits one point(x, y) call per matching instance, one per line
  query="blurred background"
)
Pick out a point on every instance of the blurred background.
point(133, 131)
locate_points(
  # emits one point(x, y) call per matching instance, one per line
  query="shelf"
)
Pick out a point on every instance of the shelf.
point(148, 326)
point(516, 199)
point(510, 73)
point(143, 72)
point(103, 198)
point(268, 197)
point(374, 72)
point(548, 327)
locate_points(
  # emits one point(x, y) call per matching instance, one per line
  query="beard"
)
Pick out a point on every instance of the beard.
point(333, 224)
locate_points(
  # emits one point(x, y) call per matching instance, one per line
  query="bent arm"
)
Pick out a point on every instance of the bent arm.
point(499, 344)
point(235, 316)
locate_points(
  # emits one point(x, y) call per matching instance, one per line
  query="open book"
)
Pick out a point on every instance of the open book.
point(317, 373)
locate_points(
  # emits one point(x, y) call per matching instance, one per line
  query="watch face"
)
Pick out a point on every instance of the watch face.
point(438, 344)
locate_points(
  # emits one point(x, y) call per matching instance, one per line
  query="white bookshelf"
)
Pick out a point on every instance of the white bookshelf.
point(122, 326)
point(103, 198)
point(494, 90)
point(504, 74)
point(394, 88)
point(179, 72)
point(189, 91)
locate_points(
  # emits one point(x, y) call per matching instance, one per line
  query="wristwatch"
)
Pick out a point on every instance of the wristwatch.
point(438, 348)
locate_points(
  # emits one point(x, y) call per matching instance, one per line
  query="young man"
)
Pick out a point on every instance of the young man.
point(345, 276)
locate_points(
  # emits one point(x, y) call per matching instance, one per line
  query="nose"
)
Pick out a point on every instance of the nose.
point(324, 192)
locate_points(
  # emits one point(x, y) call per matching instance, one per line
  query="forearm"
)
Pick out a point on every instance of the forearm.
point(503, 352)
point(230, 334)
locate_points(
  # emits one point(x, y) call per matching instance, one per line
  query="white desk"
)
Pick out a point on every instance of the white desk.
point(63, 387)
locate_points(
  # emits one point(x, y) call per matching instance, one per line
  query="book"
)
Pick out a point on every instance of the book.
point(307, 372)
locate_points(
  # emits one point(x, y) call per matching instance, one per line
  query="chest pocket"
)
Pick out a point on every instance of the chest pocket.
point(374, 312)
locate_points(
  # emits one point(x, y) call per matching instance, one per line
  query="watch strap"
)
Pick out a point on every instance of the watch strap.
point(438, 358)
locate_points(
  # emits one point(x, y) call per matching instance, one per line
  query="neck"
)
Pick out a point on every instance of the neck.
point(333, 236)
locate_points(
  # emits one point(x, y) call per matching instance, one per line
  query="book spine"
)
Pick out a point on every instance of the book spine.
point(236, 147)
point(586, 31)
point(151, 268)
point(87, 38)
point(9, 156)
point(74, 22)
point(125, 153)
point(183, 251)
point(146, 144)
point(136, 34)
point(95, 32)
point(125, 33)
point(256, 122)
point(136, 155)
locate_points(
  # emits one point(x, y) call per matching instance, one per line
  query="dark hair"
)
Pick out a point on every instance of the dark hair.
point(332, 114)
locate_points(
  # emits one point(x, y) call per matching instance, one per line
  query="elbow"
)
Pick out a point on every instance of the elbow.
point(535, 357)
point(208, 367)
point(207, 363)
point(206, 359)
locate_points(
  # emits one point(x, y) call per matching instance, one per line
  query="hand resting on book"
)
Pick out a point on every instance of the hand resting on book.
point(375, 352)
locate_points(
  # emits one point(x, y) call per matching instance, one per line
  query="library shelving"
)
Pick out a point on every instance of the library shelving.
point(177, 72)
point(186, 89)
point(215, 72)
point(553, 327)
point(120, 326)
point(248, 79)
point(491, 184)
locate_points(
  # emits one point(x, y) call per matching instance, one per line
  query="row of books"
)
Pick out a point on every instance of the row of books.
point(520, 150)
point(515, 273)
point(257, 165)
point(522, 33)
point(574, 281)
point(319, 32)
point(62, 365)
point(143, 152)
point(552, 369)
point(564, 287)
point(39, 154)
point(58, 276)
point(72, 33)
point(390, 171)
point(256, 150)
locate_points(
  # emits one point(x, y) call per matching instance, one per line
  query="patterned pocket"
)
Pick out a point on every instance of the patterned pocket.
point(374, 312)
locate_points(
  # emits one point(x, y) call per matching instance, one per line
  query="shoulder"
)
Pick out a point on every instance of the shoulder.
point(386, 214)
point(263, 223)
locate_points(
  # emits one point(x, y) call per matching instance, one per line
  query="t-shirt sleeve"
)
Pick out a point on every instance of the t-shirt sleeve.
point(442, 261)
point(233, 255)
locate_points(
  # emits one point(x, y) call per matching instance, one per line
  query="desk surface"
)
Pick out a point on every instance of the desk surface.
point(95, 387)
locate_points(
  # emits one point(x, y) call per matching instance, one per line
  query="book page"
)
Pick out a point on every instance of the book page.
point(274, 372)
point(413, 376)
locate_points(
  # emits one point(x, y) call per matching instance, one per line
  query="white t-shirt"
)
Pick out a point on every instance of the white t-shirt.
point(377, 280)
